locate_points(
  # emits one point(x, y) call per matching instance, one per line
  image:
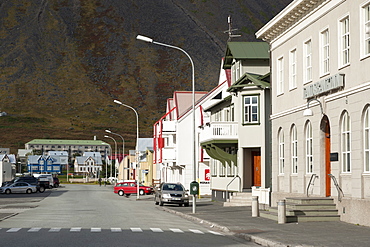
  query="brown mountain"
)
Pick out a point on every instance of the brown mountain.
point(63, 62)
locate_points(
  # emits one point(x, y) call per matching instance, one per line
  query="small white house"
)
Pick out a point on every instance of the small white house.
point(7, 167)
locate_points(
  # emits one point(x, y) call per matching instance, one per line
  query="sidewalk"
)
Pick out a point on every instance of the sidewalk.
point(238, 220)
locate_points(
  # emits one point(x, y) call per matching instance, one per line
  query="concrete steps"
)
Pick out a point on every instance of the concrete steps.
point(239, 199)
point(305, 210)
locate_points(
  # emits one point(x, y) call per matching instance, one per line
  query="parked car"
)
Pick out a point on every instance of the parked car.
point(40, 185)
point(45, 179)
point(18, 187)
point(171, 193)
point(128, 188)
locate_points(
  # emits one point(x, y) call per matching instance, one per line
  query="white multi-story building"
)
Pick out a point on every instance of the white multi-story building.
point(237, 135)
point(320, 56)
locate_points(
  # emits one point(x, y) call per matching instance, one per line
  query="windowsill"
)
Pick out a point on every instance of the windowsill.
point(293, 88)
point(344, 66)
point(323, 75)
point(365, 57)
point(366, 174)
point(279, 94)
point(246, 124)
point(305, 83)
point(345, 174)
point(294, 175)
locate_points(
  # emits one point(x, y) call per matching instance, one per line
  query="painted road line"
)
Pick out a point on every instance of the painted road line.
point(176, 230)
point(156, 229)
point(136, 229)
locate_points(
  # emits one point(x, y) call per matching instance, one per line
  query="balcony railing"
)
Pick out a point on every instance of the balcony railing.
point(219, 131)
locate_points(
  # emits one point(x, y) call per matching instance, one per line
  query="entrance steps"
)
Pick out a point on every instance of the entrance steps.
point(305, 209)
point(239, 199)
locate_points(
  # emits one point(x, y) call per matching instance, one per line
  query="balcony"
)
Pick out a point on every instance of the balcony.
point(219, 131)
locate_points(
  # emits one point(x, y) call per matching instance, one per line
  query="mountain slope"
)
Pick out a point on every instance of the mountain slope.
point(63, 62)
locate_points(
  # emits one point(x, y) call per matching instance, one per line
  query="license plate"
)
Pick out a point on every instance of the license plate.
point(176, 199)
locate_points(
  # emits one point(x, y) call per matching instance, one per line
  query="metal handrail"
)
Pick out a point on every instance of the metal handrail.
point(227, 186)
point(312, 182)
point(340, 191)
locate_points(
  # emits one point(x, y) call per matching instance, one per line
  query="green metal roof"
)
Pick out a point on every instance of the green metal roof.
point(66, 142)
point(249, 80)
point(245, 50)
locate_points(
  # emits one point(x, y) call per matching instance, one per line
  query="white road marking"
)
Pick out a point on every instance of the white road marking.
point(216, 233)
point(196, 231)
point(156, 229)
point(95, 229)
point(34, 229)
point(116, 230)
point(55, 229)
point(176, 230)
point(13, 230)
point(75, 229)
point(136, 230)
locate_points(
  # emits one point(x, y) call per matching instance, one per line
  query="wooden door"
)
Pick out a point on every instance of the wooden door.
point(256, 160)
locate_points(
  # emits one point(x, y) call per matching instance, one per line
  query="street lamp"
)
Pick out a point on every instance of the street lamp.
point(123, 142)
point(308, 112)
point(137, 146)
point(115, 154)
point(149, 40)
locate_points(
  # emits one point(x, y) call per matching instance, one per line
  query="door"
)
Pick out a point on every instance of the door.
point(256, 161)
point(327, 158)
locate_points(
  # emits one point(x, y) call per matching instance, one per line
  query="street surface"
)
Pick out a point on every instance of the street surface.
point(90, 215)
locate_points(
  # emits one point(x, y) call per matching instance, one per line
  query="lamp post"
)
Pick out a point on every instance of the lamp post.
point(115, 154)
point(137, 146)
point(149, 40)
point(123, 143)
point(308, 112)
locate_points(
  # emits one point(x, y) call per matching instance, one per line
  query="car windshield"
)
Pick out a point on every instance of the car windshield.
point(175, 187)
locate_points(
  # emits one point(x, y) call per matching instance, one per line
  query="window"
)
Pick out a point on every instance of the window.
point(366, 28)
point(281, 152)
point(309, 148)
point(344, 42)
point(325, 52)
point(293, 69)
point(367, 140)
point(280, 76)
point(251, 109)
point(307, 61)
point(214, 167)
point(346, 143)
point(294, 150)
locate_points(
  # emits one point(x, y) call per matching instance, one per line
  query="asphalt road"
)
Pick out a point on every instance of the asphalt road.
point(90, 215)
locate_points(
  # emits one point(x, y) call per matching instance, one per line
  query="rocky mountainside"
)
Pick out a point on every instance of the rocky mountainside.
point(63, 62)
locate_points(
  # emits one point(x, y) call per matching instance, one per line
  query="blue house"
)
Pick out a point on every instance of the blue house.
point(44, 164)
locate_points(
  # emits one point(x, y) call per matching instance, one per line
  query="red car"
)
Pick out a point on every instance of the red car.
point(128, 188)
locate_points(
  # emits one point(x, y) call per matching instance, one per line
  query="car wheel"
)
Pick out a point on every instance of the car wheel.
point(141, 192)
point(121, 193)
point(56, 185)
point(8, 191)
point(42, 189)
point(186, 204)
point(28, 191)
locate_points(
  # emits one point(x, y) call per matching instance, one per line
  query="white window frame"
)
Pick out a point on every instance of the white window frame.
point(365, 29)
point(309, 148)
point(294, 150)
point(346, 143)
point(344, 41)
point(324, 52)
point(367, 140)
point(251, 110)
point(281, 152)
point(280, 76)
point(293, 69)
point(307, 61)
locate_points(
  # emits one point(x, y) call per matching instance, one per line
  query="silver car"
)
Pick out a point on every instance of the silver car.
point(171, 193)
point(18, 187)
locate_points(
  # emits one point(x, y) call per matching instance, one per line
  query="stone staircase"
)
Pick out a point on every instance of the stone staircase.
point(239, 199)
point(306, 209)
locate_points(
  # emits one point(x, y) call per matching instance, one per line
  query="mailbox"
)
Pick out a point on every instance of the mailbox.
point(194, 188)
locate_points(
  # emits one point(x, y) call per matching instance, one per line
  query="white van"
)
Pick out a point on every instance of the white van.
point(45, 177)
